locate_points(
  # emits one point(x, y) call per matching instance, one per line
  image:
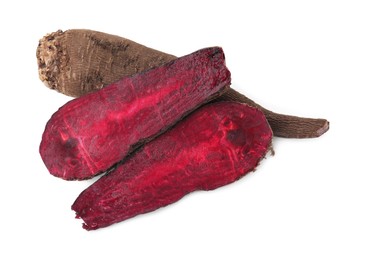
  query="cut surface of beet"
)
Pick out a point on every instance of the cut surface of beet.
point(214, 146)
point(90, 134)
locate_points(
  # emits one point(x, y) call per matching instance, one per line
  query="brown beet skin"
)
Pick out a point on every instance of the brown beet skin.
point(214, 146)
point(90, 134)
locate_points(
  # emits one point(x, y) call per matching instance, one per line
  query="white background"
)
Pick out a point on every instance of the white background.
point(306, 58)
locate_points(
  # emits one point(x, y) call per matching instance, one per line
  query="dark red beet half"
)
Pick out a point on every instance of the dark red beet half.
point(90, 134)
point(214, 146)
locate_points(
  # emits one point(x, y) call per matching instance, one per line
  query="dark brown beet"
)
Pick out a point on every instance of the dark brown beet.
point(214, 146)
point(90, 134)
point(76, 62)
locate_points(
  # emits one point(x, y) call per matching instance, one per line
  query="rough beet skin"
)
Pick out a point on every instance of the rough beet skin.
point(214, 146)
point(90, 134)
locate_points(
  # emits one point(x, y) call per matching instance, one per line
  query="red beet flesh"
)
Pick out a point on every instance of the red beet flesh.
point(90, 134)
point(214, 146)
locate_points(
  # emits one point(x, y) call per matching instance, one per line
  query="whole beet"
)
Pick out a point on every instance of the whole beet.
point(78, 61)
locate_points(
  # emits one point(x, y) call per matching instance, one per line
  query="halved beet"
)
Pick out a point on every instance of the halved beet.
point(214, 146)
point(90, 134)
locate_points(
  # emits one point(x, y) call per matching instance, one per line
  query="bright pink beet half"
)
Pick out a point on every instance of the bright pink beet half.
point(214, 146)
point(90, 134)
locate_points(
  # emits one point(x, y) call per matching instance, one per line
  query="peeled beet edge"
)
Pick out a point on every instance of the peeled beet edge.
point(214, 146)
point(90, 134)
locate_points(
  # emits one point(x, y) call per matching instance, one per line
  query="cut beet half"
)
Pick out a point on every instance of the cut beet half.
point(214, 146)
point(90, 134)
